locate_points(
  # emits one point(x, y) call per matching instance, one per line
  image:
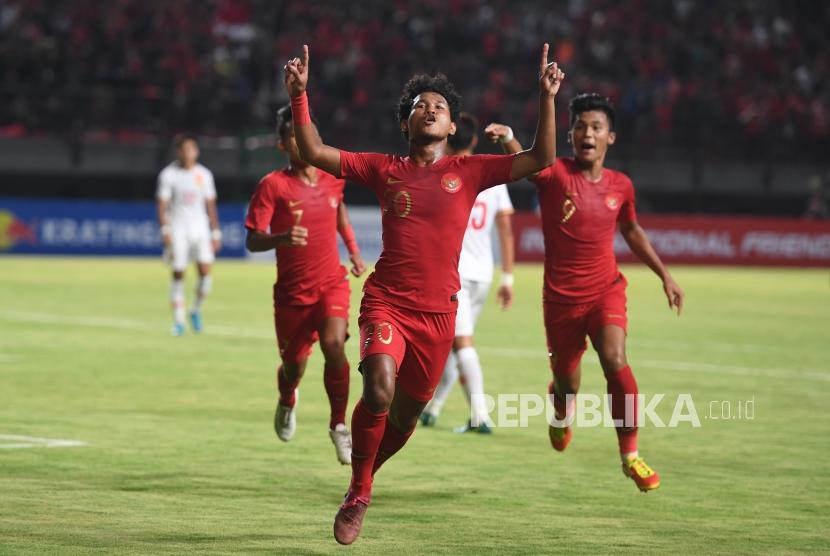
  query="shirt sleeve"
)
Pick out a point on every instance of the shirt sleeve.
point(628, 211)
point(164, 189)
point(210, 186)
point(261, 208)
point(503, 203)
point(490, 169)
point(546, 174)
point(362, 168)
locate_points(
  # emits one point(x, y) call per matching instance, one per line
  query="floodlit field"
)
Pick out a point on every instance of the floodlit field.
point(180, 456)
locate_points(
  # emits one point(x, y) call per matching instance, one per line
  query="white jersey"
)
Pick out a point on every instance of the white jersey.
point(476, 261)
point(187, 192)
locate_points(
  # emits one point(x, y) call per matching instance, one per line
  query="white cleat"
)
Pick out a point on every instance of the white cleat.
point(285, 420)
point(342, 440)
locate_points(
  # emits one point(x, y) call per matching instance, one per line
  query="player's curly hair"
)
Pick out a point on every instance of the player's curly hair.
point(284, 117)
point(586, 102)
point(423, 83)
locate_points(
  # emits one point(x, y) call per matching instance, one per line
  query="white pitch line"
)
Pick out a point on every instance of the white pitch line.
point(20, 441)
point(812, 374)
point(241, 332)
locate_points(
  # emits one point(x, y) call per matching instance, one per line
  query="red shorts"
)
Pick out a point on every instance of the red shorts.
point(419, 342)
point(566, 325)
point(297, 325)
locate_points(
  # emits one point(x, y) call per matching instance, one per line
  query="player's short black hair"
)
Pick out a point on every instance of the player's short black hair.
point(284, 118)
point(466, 129)
point(423, 83)
point(181, 138)
point(586, 102)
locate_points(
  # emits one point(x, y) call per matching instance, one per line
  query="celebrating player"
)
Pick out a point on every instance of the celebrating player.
point(407, 315)
point(582, 203)
point(186, 203)
point(296, 211)
point(475, 269)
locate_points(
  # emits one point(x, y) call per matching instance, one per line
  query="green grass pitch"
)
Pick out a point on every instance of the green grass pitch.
point(180, 456)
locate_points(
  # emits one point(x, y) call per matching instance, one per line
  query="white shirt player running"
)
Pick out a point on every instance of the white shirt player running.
point(187, 192)
point(475, 266)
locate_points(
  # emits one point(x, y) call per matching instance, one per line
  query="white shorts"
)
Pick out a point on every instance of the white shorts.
point(471, 299)
point(184, 249)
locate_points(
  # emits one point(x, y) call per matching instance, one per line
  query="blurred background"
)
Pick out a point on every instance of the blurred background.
point(724, 106)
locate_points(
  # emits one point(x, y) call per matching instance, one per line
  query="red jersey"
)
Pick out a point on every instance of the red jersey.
point(282, 200)
point(579, 220)
point(425, 213)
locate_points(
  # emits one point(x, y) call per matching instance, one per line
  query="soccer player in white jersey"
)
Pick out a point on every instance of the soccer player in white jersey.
point(186, 198)
point(475, 267)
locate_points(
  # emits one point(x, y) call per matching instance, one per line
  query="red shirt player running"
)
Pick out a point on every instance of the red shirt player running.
point(582, 203)
point(296, 211)
point(407, 315)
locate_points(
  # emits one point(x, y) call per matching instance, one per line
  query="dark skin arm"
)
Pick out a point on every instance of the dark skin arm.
point(343, 224)
point(257, 241)
point(637, 240)
point(541, 154)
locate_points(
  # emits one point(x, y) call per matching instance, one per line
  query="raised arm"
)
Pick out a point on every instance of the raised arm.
point(637, 240)
point(543, 151)
point(309, 143)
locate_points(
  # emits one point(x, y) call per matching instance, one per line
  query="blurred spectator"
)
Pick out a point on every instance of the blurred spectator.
point(818, 204)
point(732, 76)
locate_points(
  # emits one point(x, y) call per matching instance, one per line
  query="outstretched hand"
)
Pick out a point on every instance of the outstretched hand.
point(296, 74)
point(550, 76)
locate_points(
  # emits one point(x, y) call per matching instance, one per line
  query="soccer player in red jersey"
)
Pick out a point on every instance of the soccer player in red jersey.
point(582, 204)
point(407, 314)
point(296, 211)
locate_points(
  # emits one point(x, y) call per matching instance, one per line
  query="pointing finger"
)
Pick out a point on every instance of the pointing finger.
point(543, 63)
point(305, 55)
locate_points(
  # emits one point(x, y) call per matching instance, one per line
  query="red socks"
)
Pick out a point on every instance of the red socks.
point(286, 388)
point(622, 386)
point(337, 387)
point(391, 443)
point(367, 432)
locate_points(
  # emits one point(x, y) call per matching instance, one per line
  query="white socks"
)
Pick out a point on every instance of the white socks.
point(177, 300)
point(472, 379)
point(442, 392)
point(203, 287)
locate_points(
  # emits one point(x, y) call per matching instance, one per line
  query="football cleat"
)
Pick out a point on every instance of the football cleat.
point(483, 428)
point(342, 440)
point(285, 421)
point(349, 519)
point(643, 476)
point(196, 321)
point(428, 419)
point(177, 329)
point(560, 437)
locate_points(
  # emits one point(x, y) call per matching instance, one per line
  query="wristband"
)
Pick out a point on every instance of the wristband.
point(165, 230)
point(216, 234)
point(507, 279)
point(507, 138)
point(299, 110)
point(351, 243)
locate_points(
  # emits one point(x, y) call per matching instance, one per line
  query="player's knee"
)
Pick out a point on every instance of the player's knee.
point(377, 398)
point(613, 360)
point(332, 346)
point(294, 371)
point(567, 383)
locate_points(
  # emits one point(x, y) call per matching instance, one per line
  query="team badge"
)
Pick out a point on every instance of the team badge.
point(451, 183)
point(612, 201)
point(333, 201)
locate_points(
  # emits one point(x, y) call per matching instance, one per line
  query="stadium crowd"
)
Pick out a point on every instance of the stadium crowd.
point(720, 73)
